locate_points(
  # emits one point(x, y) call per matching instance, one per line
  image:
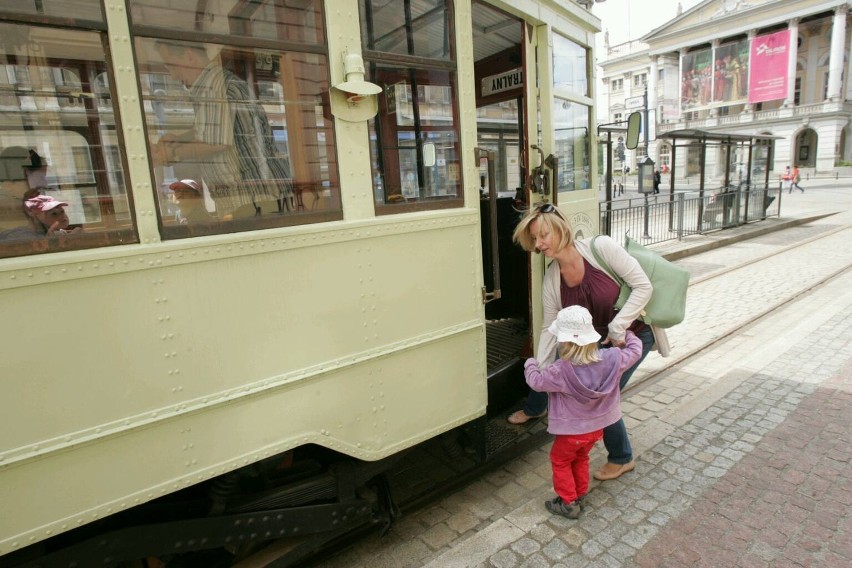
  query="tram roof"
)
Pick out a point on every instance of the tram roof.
point(707, 136)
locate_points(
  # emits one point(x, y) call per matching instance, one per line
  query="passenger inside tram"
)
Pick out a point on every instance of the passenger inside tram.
point(28, 215)
point(190, 198)
point(231, 140)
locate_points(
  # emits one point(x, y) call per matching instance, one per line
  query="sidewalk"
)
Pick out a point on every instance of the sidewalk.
point(744, 449)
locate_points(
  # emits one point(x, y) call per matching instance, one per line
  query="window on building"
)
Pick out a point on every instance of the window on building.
point(617, 84)
point(797, 92)
point(62, 182)
point(617, 117)
point(243, 119)
point(414, 139)
point(661, 74)
point(825, 86)
point(640, 79)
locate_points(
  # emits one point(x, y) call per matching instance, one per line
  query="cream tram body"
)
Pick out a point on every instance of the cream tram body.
point(132, 371)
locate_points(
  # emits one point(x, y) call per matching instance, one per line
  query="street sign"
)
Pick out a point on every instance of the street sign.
point(634, 102)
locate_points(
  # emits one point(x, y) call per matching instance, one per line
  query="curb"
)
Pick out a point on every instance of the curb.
point(689, 249)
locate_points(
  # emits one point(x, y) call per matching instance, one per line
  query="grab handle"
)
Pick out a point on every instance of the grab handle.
point(490, 158)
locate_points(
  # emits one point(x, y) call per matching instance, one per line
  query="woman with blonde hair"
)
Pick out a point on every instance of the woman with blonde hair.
point(576, 278)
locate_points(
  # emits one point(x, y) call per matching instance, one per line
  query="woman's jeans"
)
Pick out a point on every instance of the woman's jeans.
point(614, 436)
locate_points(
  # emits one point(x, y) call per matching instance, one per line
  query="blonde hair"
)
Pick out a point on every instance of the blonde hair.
point(551, 218)
point(579, 354)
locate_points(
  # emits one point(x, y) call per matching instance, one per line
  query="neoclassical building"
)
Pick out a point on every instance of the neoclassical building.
point(777, 67)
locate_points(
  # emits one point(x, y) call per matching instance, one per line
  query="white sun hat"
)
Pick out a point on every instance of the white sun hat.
point(574, 325)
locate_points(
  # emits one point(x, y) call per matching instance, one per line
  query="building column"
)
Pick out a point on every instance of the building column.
point(793, 26)
point(751, 36)
point(653, 72)
point(714, 46)
point(838, 48)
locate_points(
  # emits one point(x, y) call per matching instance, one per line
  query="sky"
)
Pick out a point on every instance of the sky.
point(627, 20)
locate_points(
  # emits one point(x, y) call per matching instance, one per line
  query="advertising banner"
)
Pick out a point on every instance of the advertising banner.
point(768, 73)
point(730, 70)
point(696, 80)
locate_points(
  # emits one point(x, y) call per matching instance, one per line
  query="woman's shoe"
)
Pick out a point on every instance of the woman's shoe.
point(614, 470)
point(521, 417)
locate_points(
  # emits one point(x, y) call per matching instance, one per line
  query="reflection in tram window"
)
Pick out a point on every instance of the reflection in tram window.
point(246, 123)
point(497, 127)
point(60, 139)
point(55, 8)
point(571, 130)
point(414, 141)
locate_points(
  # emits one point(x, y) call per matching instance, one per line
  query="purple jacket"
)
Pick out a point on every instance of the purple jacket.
point(584, 398)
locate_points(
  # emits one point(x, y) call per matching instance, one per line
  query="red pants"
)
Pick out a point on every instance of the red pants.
point(569, 458)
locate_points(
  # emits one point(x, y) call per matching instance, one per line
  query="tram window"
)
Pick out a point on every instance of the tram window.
point(56, 142)
point(417, 110)
point(299, 23)
point(570, 66)
point(571, 121)
point(263, 157)
point(419, 28)
point(57, 8)
point(247, 124)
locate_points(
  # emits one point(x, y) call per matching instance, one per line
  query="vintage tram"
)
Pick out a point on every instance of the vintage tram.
point(287, 256)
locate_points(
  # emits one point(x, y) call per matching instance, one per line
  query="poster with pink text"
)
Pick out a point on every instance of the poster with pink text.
point(767, 79)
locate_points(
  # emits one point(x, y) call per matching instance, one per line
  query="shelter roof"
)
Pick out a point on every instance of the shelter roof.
point(707, 136)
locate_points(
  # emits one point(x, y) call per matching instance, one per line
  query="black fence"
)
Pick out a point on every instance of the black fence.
point(658, 218)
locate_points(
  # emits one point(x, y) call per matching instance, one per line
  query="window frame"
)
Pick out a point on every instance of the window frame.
point(245, 46)
point(413, 68)
point(88, 72)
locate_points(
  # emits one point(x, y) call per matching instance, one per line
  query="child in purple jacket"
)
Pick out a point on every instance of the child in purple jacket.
point(583, 398)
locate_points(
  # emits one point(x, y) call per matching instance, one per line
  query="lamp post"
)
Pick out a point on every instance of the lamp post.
point(645, 171)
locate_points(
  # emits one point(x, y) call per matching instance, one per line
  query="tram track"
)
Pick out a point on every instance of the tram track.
point(676, 361)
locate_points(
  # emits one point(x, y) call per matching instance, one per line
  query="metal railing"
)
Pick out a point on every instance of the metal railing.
point(658, 218)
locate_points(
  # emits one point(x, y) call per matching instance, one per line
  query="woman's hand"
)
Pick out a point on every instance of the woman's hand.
point(614, 342)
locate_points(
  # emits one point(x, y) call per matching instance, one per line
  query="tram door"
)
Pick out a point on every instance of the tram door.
point(501, 137)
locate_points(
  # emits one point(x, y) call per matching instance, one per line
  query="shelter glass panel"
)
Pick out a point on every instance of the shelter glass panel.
point(571, 130)
point(62, 182)
point(246, 126)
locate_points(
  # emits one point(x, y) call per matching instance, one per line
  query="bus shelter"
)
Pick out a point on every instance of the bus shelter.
point(746, 160)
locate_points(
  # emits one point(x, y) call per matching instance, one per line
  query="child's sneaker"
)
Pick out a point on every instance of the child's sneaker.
point(558, 507)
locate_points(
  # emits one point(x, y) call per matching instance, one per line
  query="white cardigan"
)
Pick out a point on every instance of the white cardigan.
point(627, 268)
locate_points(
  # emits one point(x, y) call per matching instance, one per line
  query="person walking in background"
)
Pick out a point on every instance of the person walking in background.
point(787, 179)
point(583, 398)
point(658, 179)
point(794, 180)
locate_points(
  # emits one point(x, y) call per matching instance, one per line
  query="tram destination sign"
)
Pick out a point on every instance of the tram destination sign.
point(507, 81)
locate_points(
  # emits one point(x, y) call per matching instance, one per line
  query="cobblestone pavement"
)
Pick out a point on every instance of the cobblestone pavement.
point(744, 450)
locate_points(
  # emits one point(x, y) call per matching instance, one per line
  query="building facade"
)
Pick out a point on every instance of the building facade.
point(775, 67)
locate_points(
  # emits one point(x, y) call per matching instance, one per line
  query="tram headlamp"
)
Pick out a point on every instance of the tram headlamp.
point(354, 99)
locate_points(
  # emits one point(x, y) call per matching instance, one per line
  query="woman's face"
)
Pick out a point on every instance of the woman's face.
point(546, 240)
point(57, 214)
